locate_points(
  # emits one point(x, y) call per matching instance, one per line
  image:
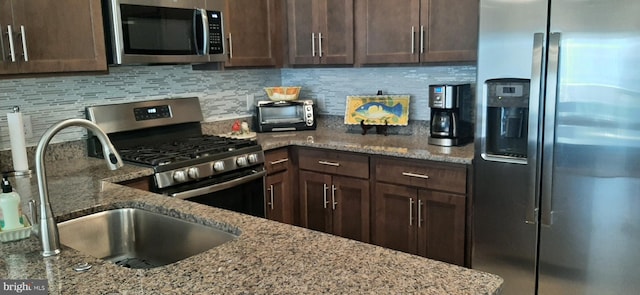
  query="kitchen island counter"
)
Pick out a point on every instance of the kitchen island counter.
point(267, 258)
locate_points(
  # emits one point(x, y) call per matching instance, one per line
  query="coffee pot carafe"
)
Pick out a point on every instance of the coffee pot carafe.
point(451, 115)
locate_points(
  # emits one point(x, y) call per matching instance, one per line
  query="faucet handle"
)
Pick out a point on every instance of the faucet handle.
point(33, 215)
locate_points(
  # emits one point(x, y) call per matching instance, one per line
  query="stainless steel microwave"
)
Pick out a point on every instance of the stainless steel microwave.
point(285, 115)
point(164, 31)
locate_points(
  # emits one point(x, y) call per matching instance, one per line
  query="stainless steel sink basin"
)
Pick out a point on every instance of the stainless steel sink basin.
point(136, 238)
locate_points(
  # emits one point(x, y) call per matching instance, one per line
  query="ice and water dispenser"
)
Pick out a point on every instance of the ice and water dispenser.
point(507, 118)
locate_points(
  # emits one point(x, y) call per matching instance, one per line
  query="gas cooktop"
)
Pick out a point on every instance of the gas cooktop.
point(171, 152)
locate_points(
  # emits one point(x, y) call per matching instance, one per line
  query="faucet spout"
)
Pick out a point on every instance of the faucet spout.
point(47, 226)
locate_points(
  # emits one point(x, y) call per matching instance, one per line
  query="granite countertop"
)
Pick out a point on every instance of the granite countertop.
point(407, 146)
point(267, 258)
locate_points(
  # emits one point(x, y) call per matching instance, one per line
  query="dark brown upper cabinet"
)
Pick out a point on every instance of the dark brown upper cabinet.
point(42, 36)
point(320, 32)
point(255, 32)
point(415, 31)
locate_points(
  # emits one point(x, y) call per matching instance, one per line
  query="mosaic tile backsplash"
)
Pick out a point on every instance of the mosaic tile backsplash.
point(223, 94)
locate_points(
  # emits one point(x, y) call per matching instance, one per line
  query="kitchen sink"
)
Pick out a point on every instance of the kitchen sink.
point(137, 238)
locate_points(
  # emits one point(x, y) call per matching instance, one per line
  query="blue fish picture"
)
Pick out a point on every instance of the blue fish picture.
point(377, 110)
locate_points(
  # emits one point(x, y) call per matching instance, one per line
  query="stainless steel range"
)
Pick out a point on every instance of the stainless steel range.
point(166, 135)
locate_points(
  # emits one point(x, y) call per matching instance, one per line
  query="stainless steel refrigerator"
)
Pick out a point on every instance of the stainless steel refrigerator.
point(557, 165)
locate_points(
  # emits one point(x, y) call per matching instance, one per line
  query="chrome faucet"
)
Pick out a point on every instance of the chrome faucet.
point(47, 227)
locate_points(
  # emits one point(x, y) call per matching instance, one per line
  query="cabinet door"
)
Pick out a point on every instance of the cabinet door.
point(279, 199)
point(441, 231)
point(395, 217)
point(451, 30)
point(6, 18)
point(335, 45)
point(252, 30)
point(61, 36)
point(388, 31)
point(320, 31)
point(315, 202)
point(302, 34)
point(350, 205)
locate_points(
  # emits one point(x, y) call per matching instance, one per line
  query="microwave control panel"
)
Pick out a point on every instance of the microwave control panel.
point(216, 45)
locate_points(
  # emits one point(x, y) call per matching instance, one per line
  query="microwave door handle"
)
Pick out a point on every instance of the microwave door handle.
point(201, 21)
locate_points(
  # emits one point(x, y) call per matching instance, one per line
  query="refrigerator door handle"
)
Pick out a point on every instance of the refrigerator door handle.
point(549, 129)
point(535, 121)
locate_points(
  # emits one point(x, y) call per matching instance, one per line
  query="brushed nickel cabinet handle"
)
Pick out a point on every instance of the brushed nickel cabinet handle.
point(279, 161)
point(230, 47)
point(319, 44)
point(324, 195)
point(271, 197)
point(334, 164)
point(410, 211)
point(333, 197)
point(422, 39)
point(413, 39)
point(419, 213)
point(410, 174)
point(23, 36)
point(12, 50)
point(313, 44)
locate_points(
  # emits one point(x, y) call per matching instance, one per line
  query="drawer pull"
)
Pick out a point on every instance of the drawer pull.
point(334, 164)
point(279, 161)
point(415, 175)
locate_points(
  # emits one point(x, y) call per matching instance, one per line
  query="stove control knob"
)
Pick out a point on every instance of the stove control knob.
point(218, 166)
point(193, 173)
point(242, 161)
point(253, 158)
point(180, 176)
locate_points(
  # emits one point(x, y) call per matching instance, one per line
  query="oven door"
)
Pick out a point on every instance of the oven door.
point(239, 191)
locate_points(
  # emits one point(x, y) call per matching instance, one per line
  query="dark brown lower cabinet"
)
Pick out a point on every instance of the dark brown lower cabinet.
point(335, 204)
point(420, 221)
point(279, 200)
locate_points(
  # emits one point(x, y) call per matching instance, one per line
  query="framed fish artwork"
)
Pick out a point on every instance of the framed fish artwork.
point(377, 110)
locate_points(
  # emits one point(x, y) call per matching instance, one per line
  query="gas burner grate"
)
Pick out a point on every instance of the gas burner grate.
point(181, 150)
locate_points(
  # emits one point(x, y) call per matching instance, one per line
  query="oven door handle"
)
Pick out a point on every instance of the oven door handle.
point(219, 186)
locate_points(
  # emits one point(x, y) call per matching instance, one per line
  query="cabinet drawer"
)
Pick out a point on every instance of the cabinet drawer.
point(422, 174)
point(276, 160)
point(337, 163)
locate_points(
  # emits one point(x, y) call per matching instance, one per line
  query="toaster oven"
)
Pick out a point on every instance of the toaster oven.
point(285, 115)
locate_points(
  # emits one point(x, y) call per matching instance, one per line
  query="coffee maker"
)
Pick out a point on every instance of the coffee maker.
point(451, 114)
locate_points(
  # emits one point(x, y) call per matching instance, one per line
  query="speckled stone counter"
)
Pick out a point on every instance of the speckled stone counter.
point(403, 141)
point(407, 146)
point(267, 258)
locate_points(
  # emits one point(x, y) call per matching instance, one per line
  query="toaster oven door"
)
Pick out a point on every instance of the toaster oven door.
point(281, 114)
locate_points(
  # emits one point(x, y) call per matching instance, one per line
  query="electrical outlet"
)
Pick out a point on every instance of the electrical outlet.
point(250, 102)
point(28, 128)
point(322, 105)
